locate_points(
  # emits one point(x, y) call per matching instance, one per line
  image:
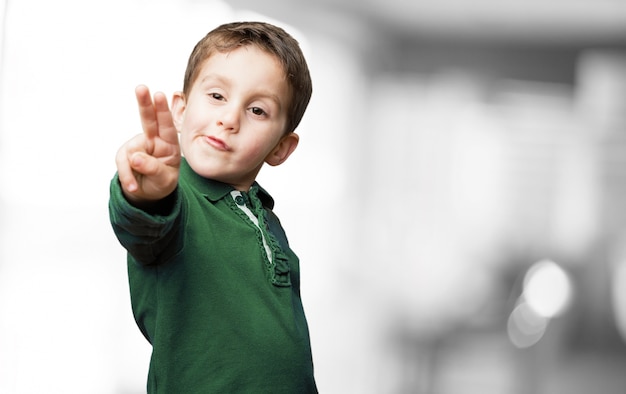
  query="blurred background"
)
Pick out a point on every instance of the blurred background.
point(457, 199)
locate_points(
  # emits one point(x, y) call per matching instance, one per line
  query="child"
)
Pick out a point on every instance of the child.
point(214, 286)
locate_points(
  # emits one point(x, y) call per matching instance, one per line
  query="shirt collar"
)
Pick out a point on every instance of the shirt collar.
point(216, 190)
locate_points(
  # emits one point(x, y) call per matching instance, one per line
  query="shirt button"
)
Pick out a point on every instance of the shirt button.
point(239, 200)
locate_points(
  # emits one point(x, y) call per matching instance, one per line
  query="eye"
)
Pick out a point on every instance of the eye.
point(216, 96)
point(257, 111)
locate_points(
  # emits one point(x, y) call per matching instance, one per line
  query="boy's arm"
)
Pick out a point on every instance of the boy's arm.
point(148, 164)
point(149, 236)
point(144, 205)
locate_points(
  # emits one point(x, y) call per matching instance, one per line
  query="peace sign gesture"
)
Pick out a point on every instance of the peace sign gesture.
point(148, 164)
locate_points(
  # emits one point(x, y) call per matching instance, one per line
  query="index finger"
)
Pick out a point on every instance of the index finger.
point(147, 112)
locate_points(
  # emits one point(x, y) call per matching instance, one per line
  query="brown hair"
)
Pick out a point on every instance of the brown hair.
point(269, 38)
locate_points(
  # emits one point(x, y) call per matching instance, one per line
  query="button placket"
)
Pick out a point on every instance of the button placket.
point(241, 201)
point(252, 207)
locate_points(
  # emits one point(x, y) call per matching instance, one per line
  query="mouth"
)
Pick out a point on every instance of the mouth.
point(217, 143)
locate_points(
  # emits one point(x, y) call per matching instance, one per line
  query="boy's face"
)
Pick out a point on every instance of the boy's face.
point(234, 117)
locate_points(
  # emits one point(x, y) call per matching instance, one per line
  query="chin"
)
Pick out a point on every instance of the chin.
point(202, 168)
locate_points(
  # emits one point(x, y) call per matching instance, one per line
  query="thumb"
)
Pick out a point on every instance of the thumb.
point(144, 163)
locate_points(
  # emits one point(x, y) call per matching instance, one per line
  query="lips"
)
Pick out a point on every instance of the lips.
point(217, 143)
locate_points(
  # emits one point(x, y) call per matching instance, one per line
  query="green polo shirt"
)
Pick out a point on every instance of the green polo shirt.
point(216, 294)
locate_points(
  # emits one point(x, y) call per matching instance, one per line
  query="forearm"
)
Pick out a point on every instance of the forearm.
point(147, 232)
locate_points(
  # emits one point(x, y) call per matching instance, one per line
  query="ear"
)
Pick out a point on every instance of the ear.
point(178, 110)
point(283, 149)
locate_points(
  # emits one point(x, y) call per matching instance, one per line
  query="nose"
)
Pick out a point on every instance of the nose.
point(228, 118)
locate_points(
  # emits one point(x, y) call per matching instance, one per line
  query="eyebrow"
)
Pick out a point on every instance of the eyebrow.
point(215, 77)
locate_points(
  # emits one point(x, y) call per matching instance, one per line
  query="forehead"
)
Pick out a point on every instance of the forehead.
point(250, 56)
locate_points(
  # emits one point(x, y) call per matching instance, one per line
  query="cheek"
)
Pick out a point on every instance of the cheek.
point(196, 118)
point(194, 123)
point(257, 150)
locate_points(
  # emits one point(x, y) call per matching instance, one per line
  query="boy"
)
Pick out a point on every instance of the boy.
point(214, 286)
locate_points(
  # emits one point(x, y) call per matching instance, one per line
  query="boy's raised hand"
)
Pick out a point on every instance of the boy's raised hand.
point(148, 164)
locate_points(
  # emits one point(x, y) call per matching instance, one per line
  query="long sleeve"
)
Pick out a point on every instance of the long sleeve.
point(148, 237)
